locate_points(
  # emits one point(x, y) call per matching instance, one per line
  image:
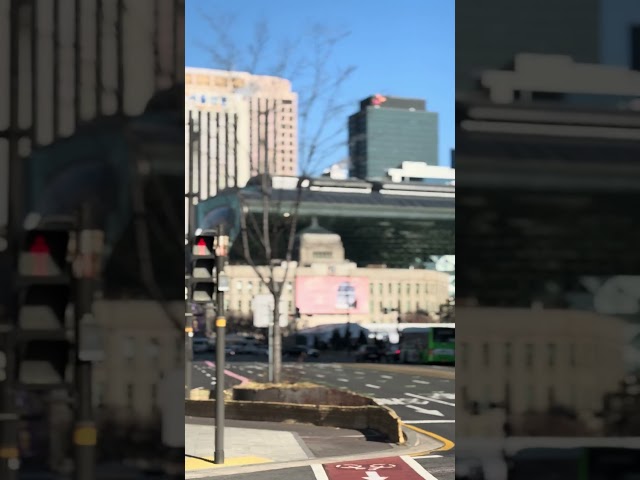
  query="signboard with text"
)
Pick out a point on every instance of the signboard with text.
point(332, 295)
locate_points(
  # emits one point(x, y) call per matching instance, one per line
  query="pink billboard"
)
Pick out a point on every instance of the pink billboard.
point(332, 295)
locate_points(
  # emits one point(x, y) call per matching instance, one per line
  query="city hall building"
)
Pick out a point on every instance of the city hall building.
point(327, 288)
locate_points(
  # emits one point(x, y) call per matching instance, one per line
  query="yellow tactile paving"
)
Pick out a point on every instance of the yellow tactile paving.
point(191, 463)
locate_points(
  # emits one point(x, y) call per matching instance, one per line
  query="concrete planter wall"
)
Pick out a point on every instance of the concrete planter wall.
point(359, 412)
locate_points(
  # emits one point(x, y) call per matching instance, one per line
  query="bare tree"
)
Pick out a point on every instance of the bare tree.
point(307, 61)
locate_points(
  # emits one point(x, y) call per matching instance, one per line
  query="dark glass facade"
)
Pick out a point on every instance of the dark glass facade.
point(382, 137)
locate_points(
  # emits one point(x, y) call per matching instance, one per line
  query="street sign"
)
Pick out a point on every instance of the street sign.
point(263, 311)
point(392, 468)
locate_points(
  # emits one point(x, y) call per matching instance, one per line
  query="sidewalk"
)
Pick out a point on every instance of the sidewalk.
point(253, 446)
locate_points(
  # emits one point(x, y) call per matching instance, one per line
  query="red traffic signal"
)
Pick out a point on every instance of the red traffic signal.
point(39, 245)
point(203, 245)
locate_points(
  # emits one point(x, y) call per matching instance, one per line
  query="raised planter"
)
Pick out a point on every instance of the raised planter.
point(306, 403)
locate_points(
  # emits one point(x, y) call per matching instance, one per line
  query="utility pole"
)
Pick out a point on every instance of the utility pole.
point(222, 285)
point(88, 343)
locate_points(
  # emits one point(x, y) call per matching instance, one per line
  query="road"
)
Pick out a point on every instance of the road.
point(422, 396)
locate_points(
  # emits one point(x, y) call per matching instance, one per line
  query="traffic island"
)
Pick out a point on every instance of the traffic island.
point(304, 403)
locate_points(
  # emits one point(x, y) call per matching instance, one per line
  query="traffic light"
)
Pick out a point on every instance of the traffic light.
point(202, 287)
point(44, 291)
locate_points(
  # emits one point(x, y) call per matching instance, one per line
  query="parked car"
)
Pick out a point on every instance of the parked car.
point(368, 353)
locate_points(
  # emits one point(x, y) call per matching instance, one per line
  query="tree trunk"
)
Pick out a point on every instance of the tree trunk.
point(277, 342)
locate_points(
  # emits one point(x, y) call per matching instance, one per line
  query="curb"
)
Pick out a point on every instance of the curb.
point(424, 446)
point(375, 417)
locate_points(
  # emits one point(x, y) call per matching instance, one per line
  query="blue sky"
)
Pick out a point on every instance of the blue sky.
point(617, 18)
point(403, 48)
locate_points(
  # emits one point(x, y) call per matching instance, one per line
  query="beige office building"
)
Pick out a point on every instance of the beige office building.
point(243, 119)
point(320, 253)
point(533, 359)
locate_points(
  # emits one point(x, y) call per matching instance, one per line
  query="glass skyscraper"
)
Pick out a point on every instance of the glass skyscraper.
point(388, 131)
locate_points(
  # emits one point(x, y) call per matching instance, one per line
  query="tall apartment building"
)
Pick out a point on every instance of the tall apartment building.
point(388, 131)
point(246, 124)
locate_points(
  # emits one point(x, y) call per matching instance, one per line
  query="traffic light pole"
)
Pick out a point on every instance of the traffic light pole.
point(84, 435)
point(188, 315)
point(221, 324)
point(9, 458)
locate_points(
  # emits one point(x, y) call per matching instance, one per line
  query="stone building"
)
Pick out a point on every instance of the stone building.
point(320, 255)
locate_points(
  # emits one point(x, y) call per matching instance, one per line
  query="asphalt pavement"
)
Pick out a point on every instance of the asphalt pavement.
point(423, 397)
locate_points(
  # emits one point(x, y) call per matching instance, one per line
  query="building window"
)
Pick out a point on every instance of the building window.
point(130, 395)
point(153, 348)
point(154, 394)
point(239, 285)
point(507, 355)
point(572, 355)
point(239, 305)
point(380, 288)
point(390, 288)
point(417, 288)
point(371, 289)
point(531, 398)
point(528, 360)
point(464, 354)
point(129, 348)
point(408, 288)
point(322, 255)
point(485, 354)
point(249, 285)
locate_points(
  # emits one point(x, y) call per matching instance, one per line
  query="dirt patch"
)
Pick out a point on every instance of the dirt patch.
point(299, 394)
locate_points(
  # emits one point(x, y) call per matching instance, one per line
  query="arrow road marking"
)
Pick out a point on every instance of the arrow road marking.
point(374, 476)
point(425, 411)
point(430, 399)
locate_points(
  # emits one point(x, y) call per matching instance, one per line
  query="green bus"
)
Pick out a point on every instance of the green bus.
point(434, 343)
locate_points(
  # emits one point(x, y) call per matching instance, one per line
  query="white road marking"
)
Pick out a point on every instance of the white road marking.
point(416, 467)
point(428, 456)
point(417, 422)
point(422, 397)
point(388, 377)
point(359, 373)
point(426, 411)
point(371, 386)
point(319, 473)
point(402, 401)
point(343, 380)
point(319, 375)
point(421, 381)
point(410, 386)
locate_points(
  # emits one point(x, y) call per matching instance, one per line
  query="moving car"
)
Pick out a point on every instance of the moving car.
point(200, 345)
point(392, 354)
point(368, 353)
point(297, 350)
